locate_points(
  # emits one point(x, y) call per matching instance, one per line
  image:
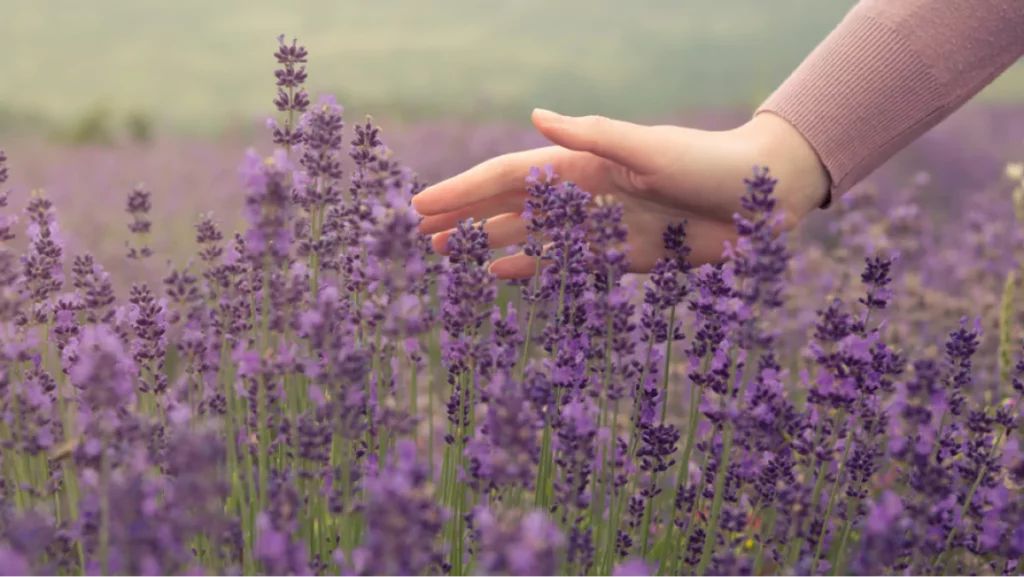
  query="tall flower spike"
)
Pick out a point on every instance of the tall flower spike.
point(104, 374)
point(607, 238)
point(7, 222)
point(267, 207)
point(138, 206)
point(540, 188)
point(43, 266)
point(291, 94)
point(759, 257)
point(506, 454)
point(470, 286)
point(321, 160)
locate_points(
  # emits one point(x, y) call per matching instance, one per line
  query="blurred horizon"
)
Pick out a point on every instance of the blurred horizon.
point(200, 67)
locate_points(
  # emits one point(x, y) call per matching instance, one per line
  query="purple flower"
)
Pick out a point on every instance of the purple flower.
point(138, 207)
point(6, 221)
point(516, 543)
point(632, 568)
point(884, 512)
point(103, 374)
point(267, 207)
point(275, 549)
point(13, 563)
point(506, 453)
point(291, 94)
point(403, 519)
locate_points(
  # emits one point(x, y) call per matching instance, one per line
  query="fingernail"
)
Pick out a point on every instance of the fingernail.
point(548, 115)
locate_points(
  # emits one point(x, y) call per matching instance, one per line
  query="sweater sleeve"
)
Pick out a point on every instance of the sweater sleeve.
point(891, 71)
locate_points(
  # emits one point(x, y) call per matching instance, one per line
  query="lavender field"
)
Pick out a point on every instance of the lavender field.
point(241, 357)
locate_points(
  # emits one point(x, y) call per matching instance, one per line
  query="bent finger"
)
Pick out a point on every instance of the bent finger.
point(517, 266)
point(621, 142)
point(502, 231)
point(508, 203)
point(505, 173)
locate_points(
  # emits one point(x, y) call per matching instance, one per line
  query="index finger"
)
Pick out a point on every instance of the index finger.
point(486, 180)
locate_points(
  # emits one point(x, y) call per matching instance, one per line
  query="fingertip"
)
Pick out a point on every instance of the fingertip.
point(543, 116)
point(513, 267)
point(547, 123)
point(421, 203)
point(496, 270)
point(431, 225)
point(440, 242)
point(433, 200)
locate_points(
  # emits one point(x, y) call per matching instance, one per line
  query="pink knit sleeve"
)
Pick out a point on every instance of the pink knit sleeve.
point(892, 70)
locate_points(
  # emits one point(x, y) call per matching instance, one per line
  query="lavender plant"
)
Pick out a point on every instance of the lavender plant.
point(318, 393)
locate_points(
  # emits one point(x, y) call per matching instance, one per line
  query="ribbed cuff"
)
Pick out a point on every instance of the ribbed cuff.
point(857, 98)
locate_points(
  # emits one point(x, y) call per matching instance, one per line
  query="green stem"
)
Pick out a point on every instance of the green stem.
point(645, 526)
point(716, 503)
point(698, 506)
point(819, 485)
point(104, 536)
point(832, 501)
point(684, 464)
point(668, 363)
point(851, 510)
point(613, 521)
point(606, 471)
point(529, 321)
point(769, 526)
point(545, 489)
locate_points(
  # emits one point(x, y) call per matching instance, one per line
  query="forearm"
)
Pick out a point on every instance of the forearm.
point(889, 72)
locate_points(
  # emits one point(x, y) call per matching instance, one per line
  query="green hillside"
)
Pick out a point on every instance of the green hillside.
point(199, 63)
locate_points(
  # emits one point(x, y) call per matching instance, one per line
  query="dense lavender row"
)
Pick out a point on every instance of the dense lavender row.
point(319, 393)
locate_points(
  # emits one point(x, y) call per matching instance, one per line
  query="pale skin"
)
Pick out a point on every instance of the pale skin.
point(660, 174)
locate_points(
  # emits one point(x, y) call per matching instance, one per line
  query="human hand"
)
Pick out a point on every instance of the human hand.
point(660, 174)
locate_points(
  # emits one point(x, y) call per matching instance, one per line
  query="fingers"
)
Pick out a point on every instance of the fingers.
point(517, 266)
point(502, 231)
point(483, 182)
point(644, 252)
point(631, 145)
point(508, 203)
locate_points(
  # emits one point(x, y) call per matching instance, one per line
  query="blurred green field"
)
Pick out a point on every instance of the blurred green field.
point(197, 65)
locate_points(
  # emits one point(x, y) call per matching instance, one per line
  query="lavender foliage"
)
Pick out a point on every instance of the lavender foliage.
point(317, 392)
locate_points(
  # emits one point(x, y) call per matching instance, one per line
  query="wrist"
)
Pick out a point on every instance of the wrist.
point(803, 179)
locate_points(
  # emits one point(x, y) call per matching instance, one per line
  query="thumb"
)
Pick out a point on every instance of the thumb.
point(625, 143)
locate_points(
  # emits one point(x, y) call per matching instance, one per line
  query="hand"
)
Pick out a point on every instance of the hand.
point(660, 174)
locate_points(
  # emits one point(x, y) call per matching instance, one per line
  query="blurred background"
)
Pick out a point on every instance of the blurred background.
point(98, 96)
point(77, 69)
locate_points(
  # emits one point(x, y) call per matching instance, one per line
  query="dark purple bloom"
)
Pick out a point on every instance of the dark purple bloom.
point(6, 221)
point(138, 207)
point(291, 94)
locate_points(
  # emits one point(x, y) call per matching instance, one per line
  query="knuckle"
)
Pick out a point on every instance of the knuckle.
point(504, 167)
point(595, 122)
